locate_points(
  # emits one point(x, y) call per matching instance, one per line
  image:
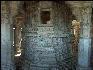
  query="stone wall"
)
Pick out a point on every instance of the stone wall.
point(47, 46)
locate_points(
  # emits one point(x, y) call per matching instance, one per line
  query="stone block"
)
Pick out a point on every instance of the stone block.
point(84, 52)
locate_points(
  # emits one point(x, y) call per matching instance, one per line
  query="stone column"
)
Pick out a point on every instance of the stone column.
point(83, 15)
point(75, 38)
point(17, 47)
point(16, 34)
point(6, 59)
point(17, 26)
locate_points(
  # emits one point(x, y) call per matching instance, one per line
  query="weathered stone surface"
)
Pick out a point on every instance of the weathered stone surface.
point(84, 47)
point(8, 12)
point(47, 46)
point(84, 17)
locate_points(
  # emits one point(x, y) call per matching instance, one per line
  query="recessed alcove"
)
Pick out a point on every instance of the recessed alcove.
point(45, 17)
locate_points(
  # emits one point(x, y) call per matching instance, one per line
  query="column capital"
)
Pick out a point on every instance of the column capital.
point(18, 22)
point(75, 23)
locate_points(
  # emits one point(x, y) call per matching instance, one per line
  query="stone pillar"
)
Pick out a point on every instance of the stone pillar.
point(16, 34)
point(6, 47)
point(83, 15)
point(6, 59)
point(17, 46)
point(75, 38)
point(17, 26)
point(3, 47)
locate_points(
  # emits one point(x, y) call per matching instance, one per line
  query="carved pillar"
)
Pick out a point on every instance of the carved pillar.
point(16, 38)
point(75, 38)
point(17, 25)
point(83, 14)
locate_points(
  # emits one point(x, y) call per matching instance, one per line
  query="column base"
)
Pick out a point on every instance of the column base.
point(83, 68)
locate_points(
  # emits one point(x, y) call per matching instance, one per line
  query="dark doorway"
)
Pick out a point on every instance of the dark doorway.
point(45, 17)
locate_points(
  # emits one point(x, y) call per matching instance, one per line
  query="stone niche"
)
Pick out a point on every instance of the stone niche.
point(47, 46)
